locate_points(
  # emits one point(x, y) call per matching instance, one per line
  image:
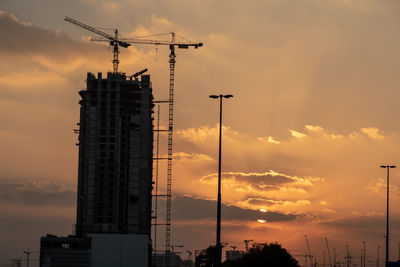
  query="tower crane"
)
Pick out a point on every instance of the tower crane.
point(172, 45)
point(114, 41)
point(329, 252)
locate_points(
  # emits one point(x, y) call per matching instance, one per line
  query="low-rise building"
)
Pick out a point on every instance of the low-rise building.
point(95, 250)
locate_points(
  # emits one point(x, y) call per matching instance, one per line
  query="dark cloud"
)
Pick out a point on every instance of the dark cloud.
point(373, 226)
point(362, 223)
point(24, 39)
point(33, 194)
point(188, 208)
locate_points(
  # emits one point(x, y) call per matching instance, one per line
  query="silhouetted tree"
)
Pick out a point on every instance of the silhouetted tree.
point(206, 258)
point(264, 255)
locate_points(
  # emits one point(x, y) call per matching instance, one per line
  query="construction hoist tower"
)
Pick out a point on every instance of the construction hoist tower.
point(115, 42)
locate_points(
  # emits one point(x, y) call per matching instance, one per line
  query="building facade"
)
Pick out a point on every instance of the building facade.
point(113, 224)
point(68, 251)
point(115, 156)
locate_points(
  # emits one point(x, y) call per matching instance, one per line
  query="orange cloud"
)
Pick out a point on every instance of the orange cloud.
point(269, 139)
point(297, 134)
point(372, 132)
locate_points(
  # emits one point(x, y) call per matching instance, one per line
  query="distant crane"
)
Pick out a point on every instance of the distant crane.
point(309, 251)
point(113, 40)
point(247, 244)
point(329, 252)
point(234, 247)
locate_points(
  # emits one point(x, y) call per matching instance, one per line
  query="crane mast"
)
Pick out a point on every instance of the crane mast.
point(170, 134)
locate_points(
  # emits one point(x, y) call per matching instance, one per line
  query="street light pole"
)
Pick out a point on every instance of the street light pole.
point(387, 167)
point(218, 247)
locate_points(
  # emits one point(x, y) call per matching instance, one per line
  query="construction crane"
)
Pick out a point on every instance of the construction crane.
point(309, 251)
point(113, 40)
point(172, 45)
point(329, 252)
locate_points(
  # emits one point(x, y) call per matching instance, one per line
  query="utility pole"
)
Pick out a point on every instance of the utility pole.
point(377, 257)
point(334, 257)
point(364, 253)
point(28, 253)
point(361, 258)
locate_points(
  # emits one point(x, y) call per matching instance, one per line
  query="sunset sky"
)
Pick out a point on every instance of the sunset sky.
point(314, 115)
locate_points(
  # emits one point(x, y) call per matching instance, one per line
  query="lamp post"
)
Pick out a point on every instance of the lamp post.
point(387, 167)
point(218, 247)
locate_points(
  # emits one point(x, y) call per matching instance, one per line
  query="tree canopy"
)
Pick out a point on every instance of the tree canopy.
point(264, 255)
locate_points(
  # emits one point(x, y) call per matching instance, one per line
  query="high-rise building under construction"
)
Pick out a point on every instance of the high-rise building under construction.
point(113, 224)
point(115, 155)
